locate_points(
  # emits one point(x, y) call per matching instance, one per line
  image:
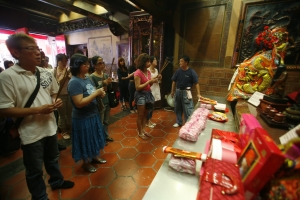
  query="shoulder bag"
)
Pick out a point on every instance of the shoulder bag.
point(100, 104)
point(9, 136)
point(112, 96)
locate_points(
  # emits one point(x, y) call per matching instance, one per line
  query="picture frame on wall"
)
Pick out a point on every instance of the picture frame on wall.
point(123, 51)
point(101, 46)
point(257, 14)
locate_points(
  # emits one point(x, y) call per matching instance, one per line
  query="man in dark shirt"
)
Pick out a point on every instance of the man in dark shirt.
point(183, 79)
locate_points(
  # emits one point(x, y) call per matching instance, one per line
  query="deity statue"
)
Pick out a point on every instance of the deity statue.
point(265, 71)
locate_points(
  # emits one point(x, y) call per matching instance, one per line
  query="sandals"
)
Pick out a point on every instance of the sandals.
point(99, 160)
point(65, 135)
point(124, 107)
point(143, 136)
point(88, 167)
point(150, 126)
point(147, 134)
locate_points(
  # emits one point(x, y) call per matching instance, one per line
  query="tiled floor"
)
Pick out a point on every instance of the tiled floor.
point(132, 163)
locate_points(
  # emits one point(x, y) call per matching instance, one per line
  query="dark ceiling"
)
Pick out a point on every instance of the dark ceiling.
point(47, 13)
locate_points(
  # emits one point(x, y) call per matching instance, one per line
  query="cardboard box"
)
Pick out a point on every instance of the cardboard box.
point(247, 125)
point(260, 159)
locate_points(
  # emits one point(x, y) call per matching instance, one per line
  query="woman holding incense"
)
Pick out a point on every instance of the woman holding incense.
point(88, 132)
point(63, 76)
point(155, 90)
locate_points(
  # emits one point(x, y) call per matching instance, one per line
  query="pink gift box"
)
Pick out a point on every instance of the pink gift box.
point(247, 125)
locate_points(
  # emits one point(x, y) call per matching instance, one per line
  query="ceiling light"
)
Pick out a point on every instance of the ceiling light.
point(128, 1)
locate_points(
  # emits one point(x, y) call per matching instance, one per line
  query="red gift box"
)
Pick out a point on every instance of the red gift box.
point(247, 125)
point(222, 150)
point(220, 180)
point(260, 159)
point(228, 137)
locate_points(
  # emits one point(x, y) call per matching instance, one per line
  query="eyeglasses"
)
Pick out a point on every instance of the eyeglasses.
point(32, 48)
point(101, 63)
point(86, 64)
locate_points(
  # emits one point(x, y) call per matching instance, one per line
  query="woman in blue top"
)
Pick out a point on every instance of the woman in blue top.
point(87, 131)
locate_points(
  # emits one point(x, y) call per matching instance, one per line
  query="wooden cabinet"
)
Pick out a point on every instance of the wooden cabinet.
point(146, 36)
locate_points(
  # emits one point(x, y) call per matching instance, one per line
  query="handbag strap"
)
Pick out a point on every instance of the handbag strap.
point(92, 77)
point(31, 98)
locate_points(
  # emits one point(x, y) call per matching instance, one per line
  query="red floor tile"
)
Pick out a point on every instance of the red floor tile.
point(19, 191)
point(144, 176)
point(159, 154)
point(130, 133)
point(10, 158)
point(169, 130)
point(125, 168)
point(67, 172)
point(131, 126)
point(160, 142)
point(145, 147)
point(96, 193)
point(120, 123)
point(131, 120)
point(129, 142)
point(116, 130)
point(157, 133)
point(145, 159)
point(15, 179)
point(66, 160)
point(82, 184)
point(78, 170)
point(111, 158)
point(52, 194)
point(158, 164)
point(127, 153)
point(139, 194)
point(171, 137)
point(122, 188)
point(113, 147)
point(102, 177)
point(117, 136)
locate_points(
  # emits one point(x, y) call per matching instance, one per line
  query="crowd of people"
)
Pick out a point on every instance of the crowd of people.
point(73, 101)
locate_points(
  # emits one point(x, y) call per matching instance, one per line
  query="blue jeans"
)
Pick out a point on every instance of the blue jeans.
point(34, 155)
point(105, 113)
point(183, 105)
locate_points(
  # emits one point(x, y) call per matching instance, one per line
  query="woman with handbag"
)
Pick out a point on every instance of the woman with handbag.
point(143, 96)
point(101, 80)
point(88, 135)
point(155, 90)
point(123, 82)
point(63, 76)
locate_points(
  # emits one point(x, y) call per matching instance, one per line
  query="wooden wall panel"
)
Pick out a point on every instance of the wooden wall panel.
point(204, 28)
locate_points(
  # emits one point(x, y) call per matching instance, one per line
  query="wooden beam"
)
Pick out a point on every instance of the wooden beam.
point(65, 5)
point(115, 6)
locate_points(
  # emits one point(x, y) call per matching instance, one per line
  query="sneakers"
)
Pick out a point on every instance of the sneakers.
point(176, 125)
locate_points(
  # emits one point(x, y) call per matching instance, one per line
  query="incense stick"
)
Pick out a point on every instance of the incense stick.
point(62, 84)
point(113, 60)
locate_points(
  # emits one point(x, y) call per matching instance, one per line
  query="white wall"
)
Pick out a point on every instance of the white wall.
point(82, 38)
